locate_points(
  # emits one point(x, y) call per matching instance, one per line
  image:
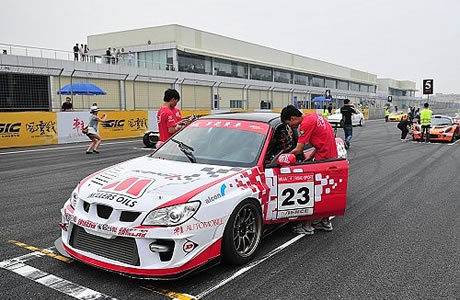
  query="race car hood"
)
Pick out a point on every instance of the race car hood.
point(335, 117)
point(145, 183)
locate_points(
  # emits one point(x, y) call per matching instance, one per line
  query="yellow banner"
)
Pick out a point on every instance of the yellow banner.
point(19, 129)
point(123, 124)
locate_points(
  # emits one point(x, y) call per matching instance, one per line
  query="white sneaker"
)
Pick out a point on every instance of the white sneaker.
point(300, 228)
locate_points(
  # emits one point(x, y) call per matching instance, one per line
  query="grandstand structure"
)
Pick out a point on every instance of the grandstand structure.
point(211, 71)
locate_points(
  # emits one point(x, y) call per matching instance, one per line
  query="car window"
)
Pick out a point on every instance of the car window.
point(227, 146)
point(441, 121)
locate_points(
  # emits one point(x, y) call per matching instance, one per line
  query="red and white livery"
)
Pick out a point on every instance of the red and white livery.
point(205, 194)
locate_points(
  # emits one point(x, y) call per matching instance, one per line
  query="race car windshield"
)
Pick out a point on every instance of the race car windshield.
point(441, 121)
point(216, 146)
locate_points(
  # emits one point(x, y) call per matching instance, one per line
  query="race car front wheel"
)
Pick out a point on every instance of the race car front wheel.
point(243, 233)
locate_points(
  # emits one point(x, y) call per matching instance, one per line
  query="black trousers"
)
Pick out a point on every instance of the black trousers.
point(425, 129)
point(404, 133)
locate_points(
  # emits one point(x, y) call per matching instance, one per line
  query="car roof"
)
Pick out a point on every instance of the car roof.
point(441, 116)
point(273, 119)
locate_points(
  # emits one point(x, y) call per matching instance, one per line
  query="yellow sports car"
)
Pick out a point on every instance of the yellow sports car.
point(397, 116)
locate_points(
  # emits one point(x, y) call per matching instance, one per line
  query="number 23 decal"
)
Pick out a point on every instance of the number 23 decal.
point(302, 196)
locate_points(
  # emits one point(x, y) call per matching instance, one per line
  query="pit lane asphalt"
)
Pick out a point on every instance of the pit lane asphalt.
point(399, 238)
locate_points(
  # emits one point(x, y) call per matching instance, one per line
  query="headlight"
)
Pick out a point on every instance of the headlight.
point(448, 129)
point(74, 198)
point(172, 215)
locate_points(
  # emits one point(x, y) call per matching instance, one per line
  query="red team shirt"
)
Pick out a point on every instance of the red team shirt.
point(317, 132)
point(166, 118)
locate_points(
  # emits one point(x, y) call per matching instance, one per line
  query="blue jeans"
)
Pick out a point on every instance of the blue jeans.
point(348, 130)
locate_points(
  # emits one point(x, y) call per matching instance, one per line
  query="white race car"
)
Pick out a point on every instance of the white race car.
point(205, 194)
point(356, 119)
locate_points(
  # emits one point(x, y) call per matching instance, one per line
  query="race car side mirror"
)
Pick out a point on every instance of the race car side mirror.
point(286, 159)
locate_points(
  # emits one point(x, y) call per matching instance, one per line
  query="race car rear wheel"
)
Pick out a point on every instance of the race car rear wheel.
point(243, 233)
point(361, 122)
point(150, 139)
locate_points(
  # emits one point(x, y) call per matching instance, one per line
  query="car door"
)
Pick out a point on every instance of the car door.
point(307, 191)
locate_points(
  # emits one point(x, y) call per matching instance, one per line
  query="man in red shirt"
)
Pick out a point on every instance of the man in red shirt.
point(169, 117)
point(316, 131)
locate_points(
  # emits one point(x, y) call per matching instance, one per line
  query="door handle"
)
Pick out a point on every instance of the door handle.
point(334, 170)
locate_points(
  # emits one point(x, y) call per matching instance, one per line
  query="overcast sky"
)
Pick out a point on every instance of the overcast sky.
point(400, 39)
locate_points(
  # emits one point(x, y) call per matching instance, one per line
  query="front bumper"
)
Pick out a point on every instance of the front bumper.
point(437, 136)
point(156, 252)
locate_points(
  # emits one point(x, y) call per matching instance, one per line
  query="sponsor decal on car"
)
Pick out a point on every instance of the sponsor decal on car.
point(106, 228)
point(199, 226)
point(189, 246)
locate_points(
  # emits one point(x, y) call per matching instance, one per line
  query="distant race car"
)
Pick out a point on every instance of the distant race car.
point(204, 194)
point(356, 119)
point(443, 128)
point(397, 116)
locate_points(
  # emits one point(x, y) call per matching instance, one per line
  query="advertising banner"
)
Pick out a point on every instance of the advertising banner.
point(28, 129)
point(123, 124)
point(70, 125)
point(153, 124)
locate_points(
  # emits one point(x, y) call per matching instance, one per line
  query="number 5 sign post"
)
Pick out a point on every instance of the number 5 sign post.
point(295, 195)
point(428, 87)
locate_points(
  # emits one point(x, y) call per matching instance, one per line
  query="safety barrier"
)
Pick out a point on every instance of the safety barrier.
point(22, 129)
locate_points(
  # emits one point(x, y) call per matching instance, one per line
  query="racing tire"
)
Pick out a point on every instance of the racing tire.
point(361, 122)
point(243, 233)
point(150, 139)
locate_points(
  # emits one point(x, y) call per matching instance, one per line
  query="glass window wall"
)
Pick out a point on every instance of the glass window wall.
point(230, 68)
point(364, 88)
point(283, 76)
point(331, 83)
point(194, 63)
point(342, 85)
point(158, 59)
point(300, 79)
point(317, 81)
point(261, 73)
point(354, 86)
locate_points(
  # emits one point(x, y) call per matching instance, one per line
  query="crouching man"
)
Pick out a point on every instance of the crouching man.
point(316, 131)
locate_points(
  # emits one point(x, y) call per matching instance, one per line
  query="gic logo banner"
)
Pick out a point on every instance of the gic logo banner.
point(114, 124)
point(9, 129)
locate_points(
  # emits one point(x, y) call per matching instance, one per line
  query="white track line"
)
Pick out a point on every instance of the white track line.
point(253, 264)
point(17, 265)
point(250, 266)
point(66, 148)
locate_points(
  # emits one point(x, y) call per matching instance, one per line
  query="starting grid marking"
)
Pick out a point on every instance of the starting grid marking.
point(48, 252)
point(18, 266)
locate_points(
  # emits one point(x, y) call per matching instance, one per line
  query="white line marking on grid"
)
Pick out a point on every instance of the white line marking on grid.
point(17, 265)
point(67, 148)
point(252, 265)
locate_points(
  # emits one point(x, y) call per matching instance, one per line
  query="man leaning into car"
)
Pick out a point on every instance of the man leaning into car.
point(169, 117)
point(316, 131)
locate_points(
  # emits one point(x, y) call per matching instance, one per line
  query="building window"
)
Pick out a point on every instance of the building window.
point(230, 68)
point(342, 85)
point(282, 76)
point(354, 87)
point(364, 88)
point(261, 73)
point(330, 83)
point(236, 103)
point(317, 81)
point(300, 79)
point(194, 63)
point(372, 89)
point(157, 60)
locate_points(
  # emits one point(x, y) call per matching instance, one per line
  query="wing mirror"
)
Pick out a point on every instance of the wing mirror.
point(286, 159)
